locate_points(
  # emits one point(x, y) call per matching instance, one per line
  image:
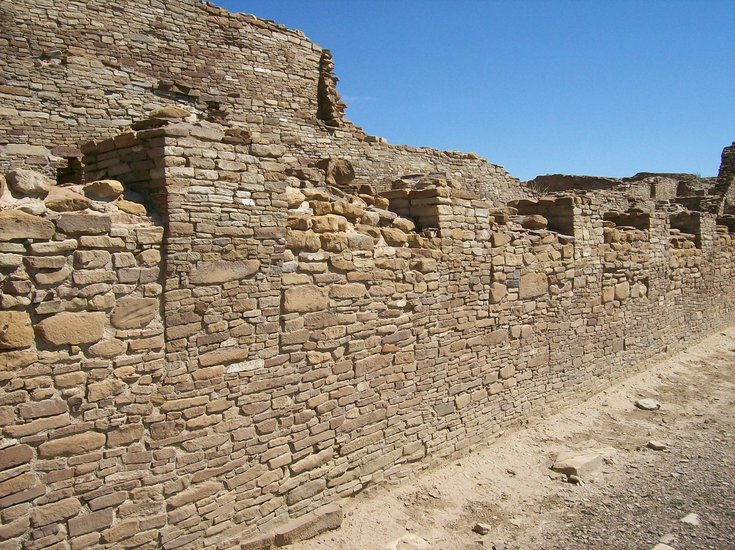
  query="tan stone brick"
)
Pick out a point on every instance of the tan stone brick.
point(72, 328)
point(15, 330)
point(72, 445)
point(55, 512)
point(304, 298)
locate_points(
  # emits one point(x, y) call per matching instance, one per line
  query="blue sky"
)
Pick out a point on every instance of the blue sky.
point(579, 87)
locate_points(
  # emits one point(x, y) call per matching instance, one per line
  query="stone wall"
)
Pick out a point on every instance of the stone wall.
point(74, 70)
point(209, 325)
point(295, 343)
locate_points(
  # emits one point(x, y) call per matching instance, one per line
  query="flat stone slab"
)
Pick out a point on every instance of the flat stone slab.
point(314, 523)
point(580, 465)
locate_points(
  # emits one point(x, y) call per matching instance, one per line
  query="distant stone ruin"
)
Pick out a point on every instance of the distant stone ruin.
point(224, 308)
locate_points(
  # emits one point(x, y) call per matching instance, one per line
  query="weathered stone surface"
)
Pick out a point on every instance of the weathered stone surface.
point(72, 445)
point(11, 457)
point(105, 190)
point(108, 348)
point(87, 224)
point(533, 285)
point(133, 312)
point(223, 271)
point(55, 512)
point(498, 291)
point(622, 290)
point(16, 331)
point(19, 225)
point(304, 298)
point(72, 328)
point(104, 389)
point(28, 182)
point(580, 465)
point(223, 356)
point(125, 435)
point(131, 207)
point(170, 112)
point(195, 493)
point(648, 404)
point(534, 221)
point(322, 519)
point(61, 199)
point(306, 490)
point(337, 171)
point(90, 523)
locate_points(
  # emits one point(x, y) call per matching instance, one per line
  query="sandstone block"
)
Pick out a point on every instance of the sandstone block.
point(349, 290)
point(304, 298)
point(582, 465)
point(108, 348)
point(14, 360)
point(404, 224)
point(55, 512)
point(105, 190)
point(15, 330)
point(91, 259)
point(28, 182)
point(294, 197)
point(61, 199)
point(328, 223)
point(133, 312)
point(122, 531)
point(337, 171)
point(104, 389)
point(10, 457)
point(19, 225)
point(533, 285)
point(302, 240)
point(501, 239)
point(87, 224)
point(72, 445)
point(131, 207)
point(394, 237)
point(223, 356)
point(622, 290)
point(173, 112)
point(268, 151)
point(72, 328)
point(223, 271)
point(39, 409)
point(90, 523)
point(498, 291)
point(306, 490)
point(195, 493)
point(608, 294)
point(534, 221)
point(17, 484)
point(125, 435)
point(323, 519)
point(149, 258)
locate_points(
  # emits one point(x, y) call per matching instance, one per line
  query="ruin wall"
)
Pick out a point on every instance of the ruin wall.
point(294, 344)
point(75, 70)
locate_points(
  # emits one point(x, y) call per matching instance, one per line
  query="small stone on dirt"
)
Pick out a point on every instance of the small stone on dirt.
point(691, 519)
point(575, 480)
point(656, 445)
point(648, 404)
point(661, 546)
point(481, 528)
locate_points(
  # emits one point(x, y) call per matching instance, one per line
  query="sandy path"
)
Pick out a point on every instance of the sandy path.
point(635, 499)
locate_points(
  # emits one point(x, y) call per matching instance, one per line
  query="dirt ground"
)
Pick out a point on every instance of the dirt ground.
point(636, 500)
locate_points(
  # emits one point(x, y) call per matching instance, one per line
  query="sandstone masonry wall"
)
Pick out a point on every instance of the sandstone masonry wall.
point(74, 70)
point(203, 334)
point(296, 343)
